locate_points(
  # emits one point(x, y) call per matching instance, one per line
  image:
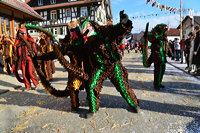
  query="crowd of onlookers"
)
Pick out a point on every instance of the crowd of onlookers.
point(187, 51)
point(129, 46)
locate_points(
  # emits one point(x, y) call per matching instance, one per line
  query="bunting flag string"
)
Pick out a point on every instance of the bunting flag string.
point(164, 7)
point(149, 15)
point(144, 16)
point(155, 15)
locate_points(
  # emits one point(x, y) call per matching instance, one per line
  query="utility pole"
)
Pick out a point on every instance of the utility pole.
point(192, 19)
point(181, 26)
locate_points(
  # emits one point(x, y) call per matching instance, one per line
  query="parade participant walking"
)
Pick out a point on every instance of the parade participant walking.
point(1, 59)
point(159, 47)
point(7, 52)
point(47, 66)
point(106, 63)
point(196, 57)
point(74, 42)
point(23, 59)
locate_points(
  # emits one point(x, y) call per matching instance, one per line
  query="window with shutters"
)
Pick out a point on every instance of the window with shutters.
point(7, 26)
point(61, 31)
point(53, 14)
point(62, 13)
point(40, 2)
point(68, 12)
point(2, 25)
point(55, 31)
point(84, 11)
point(53, 1)
point(44, 14)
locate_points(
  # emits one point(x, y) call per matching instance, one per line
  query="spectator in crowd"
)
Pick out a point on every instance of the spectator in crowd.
point(132, 45)
point(140, 47)
point(196, 56)
point(128, 47)
point(182, 46)
point(136, 46)
point(188, 45)
point(122, 47)
point(171, 45)
point(177, 49)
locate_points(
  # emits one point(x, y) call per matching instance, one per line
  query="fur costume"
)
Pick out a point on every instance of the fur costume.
point(101, 58)
point(159, 48)
point(47, 66)
point(73, 43)
point(7, 52)
point(76, 73)
point(23, 58)
point(104, 61)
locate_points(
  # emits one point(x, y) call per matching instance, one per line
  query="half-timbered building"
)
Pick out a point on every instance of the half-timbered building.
point(57, 13)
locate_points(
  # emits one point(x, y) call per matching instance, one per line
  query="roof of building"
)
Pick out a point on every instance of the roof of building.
point(173, 32)
point(22, 7)
point(196, 20)
point(66, 4)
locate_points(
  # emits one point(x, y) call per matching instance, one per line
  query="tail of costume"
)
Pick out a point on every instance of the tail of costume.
point(47, 85)
point(15, 71)
point(145, 48)
point(48, 33)
point(69, 67)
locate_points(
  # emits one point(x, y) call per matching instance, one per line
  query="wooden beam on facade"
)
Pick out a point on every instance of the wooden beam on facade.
point(0, 28)
point(4, 26)
point(12, 30)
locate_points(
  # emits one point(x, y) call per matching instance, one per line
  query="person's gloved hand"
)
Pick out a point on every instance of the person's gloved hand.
point(31, 53)
point(123, 17)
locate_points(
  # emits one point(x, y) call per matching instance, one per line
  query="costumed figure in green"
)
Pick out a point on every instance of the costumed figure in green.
point(104, 61)
point(94, 56)
point(159, 48)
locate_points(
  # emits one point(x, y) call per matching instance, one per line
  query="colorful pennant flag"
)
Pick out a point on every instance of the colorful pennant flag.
point(164, 7)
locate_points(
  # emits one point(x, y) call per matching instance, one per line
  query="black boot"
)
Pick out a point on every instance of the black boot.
point(157, 88)
point(162, 86)
point(89, 115)
point(136, 109)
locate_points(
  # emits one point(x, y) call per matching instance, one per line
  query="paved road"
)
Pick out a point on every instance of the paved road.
point(174, 109)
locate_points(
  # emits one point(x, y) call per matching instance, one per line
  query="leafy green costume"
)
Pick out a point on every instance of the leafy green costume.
point(159, 48)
